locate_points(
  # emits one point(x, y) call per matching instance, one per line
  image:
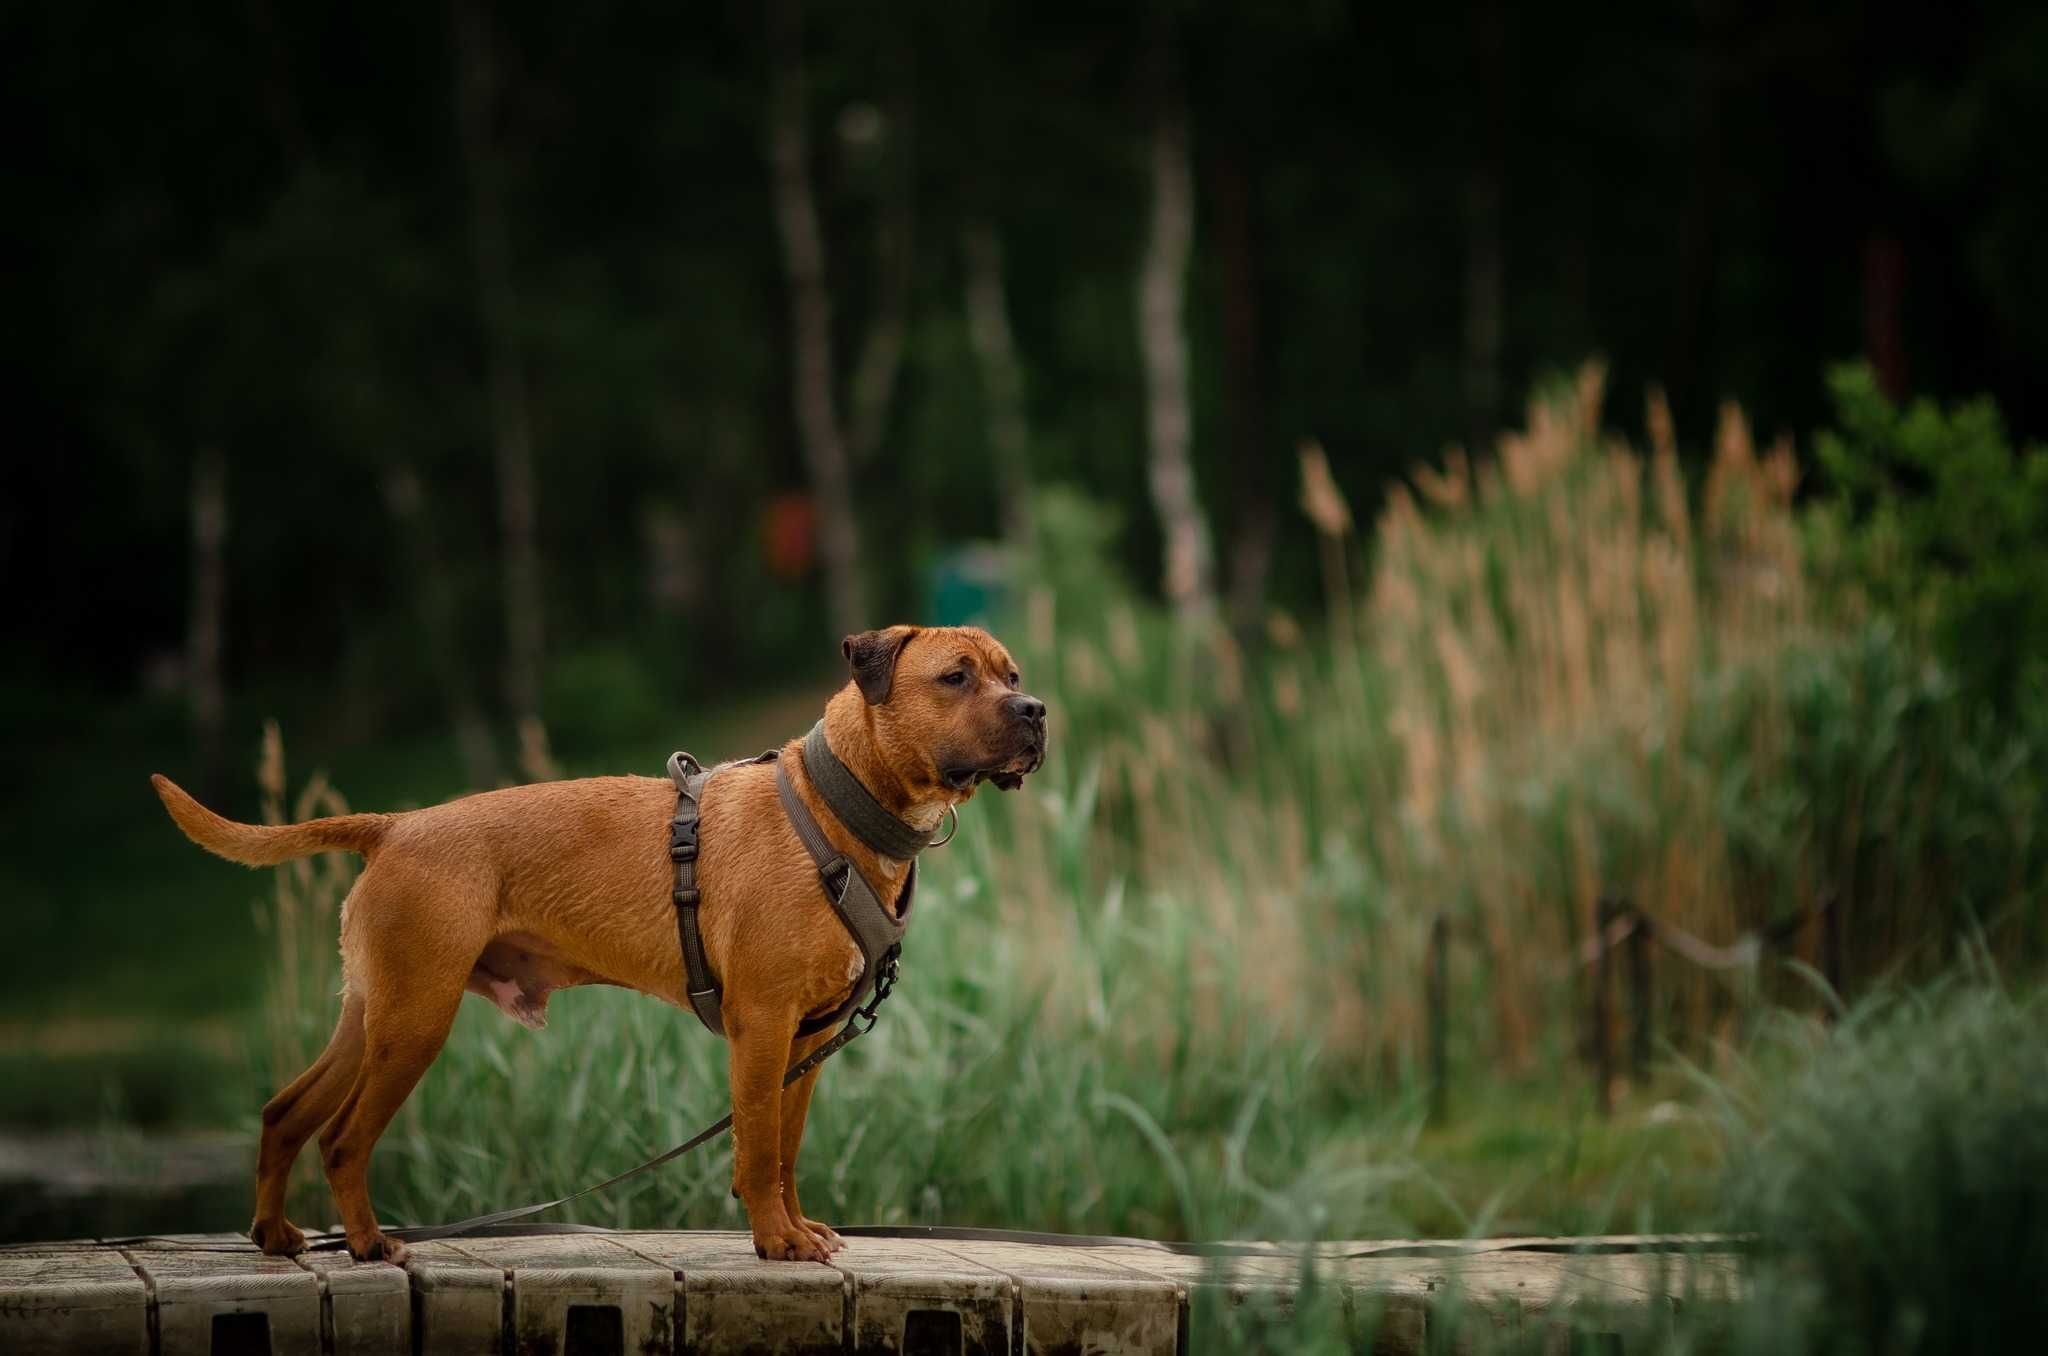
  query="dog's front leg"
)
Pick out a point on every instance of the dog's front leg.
point(760, 1042)
point(796, 1104)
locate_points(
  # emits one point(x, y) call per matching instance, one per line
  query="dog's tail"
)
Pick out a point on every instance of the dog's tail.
point(268, 844)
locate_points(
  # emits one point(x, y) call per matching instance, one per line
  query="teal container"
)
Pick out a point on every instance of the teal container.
point(968, 585)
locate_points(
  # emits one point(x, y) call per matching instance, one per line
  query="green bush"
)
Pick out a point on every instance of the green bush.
point(1898, 1177)
point(1946, 523)
point(1915, 812)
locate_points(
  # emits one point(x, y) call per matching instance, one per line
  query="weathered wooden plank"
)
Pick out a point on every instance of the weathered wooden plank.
point(734, 1304)
point(1510, 1294)
point(1245, 1274)
point(72, 1297)
point(458, 1302)
point(916, 1296)
point(369, 1304)
point(1268, 1282)
point(1385, 1299)
point(1635, 1278)
point(1071, 1300)
point(217, 1291)
point(583, 1292)
point(668, 1293)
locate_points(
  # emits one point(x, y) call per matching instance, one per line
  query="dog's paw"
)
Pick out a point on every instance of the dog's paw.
point(824, 1233)
point(377, 1247)
point(795, 1244)
point(277, 1237)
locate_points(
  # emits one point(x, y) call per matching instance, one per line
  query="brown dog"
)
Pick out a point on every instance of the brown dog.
point(512, 894)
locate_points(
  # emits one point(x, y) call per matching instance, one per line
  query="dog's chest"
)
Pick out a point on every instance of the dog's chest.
point(838, 972)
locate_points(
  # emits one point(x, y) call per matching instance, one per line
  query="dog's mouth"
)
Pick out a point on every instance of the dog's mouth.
point(1007, 775)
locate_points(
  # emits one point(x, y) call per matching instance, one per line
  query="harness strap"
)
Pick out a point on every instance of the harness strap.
point(877, 932)
point(690, 780)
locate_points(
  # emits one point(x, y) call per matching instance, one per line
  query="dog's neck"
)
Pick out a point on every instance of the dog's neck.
point(849, 727)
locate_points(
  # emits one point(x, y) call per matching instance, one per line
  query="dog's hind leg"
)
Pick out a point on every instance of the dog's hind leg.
point(289, 1120)
point(410, 946)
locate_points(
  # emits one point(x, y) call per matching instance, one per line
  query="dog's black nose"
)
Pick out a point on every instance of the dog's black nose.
point(1025, 708)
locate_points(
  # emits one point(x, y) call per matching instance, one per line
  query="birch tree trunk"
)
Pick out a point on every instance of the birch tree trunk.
point(1162, 292)
point(803, 257)
point(511, 426)
point(1002, 380)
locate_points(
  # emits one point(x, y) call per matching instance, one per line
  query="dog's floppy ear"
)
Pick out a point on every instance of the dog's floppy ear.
point(872, 657)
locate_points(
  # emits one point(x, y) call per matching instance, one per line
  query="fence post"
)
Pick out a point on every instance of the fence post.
point(1439, 999)
point(1639, 998)
point(1603, 1006)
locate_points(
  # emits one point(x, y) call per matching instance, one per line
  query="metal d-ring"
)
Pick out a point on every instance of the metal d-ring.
point(941, 842)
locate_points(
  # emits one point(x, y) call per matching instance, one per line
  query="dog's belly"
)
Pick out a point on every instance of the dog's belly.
point(518, 971)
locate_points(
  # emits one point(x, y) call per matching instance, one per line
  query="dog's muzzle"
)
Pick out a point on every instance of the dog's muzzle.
point(1027, 756)
point(1029, 712)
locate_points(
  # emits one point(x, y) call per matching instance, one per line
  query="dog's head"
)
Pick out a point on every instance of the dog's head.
point(946, 706)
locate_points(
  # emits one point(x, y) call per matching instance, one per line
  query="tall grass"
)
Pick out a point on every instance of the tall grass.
point(1176, 986)
point(1568, 674)
point(304, 916)
point(1557, 639)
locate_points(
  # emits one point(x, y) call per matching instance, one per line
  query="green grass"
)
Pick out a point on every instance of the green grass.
point(975, 1102)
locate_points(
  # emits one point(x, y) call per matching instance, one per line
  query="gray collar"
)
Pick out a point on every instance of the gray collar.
point(856, 806)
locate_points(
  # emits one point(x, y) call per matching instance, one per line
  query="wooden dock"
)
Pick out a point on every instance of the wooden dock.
point(668, 1294)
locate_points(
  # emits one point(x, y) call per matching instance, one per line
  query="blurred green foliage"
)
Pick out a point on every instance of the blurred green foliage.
point(1945, 522)
point(1919, 812)
point(1896, 1166)
point(602, 699)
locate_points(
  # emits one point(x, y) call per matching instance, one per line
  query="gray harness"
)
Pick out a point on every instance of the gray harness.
point(877, 932)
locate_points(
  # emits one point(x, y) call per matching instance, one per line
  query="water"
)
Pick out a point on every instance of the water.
point(113, 1183)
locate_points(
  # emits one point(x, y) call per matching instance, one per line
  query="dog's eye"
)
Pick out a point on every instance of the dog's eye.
point(1015, 677)
point(957, 678)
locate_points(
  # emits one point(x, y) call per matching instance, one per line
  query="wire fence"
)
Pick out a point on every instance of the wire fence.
point(1619, 954)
